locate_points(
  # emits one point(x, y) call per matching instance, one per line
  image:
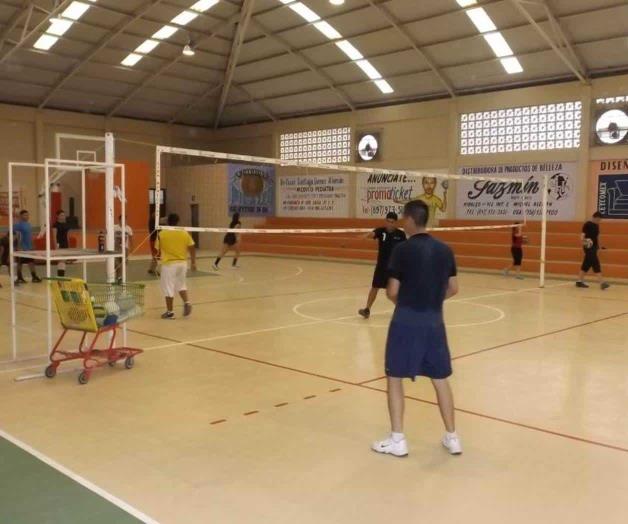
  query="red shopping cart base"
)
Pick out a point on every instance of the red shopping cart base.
point(91, 356)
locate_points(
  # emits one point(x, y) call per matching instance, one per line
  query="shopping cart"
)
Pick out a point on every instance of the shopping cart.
point(98, 309)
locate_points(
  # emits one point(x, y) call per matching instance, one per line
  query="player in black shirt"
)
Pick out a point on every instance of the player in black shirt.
point(388, 237)
point(591, 245)
point(61, 240)
point(422, 276)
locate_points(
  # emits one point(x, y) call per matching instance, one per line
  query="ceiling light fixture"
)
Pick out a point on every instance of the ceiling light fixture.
point(167, 31)
point(466, 3)
point(336, 2)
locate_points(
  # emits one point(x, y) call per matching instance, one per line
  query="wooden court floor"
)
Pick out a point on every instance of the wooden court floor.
point(262, 405)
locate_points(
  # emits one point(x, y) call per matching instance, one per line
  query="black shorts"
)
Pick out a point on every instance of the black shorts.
point(230, 239)
point(417, 346)
point(591, 261)
point(517, 255)
point(380, 277)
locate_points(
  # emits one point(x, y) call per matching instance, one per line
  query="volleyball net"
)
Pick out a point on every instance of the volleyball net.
point(281, 198)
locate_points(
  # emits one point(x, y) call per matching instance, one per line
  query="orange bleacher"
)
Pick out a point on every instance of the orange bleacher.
point(474, 249)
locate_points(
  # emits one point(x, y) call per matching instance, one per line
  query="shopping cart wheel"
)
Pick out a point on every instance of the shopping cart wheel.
point(51, 371)
point(129, 362)
point(83, 378)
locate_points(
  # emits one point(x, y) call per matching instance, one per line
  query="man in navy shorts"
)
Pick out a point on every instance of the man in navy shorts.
point(388, 237)
point(422, 276)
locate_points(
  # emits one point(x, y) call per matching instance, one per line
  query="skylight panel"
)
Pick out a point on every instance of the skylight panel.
point(369, 69)
point(184, 18)
point(304, 11)
point(45, 42)
point(75, 10)
point(498, 44)
point(203, 5)
point(165, 32)
point(147, 46)
point(131, 59)
point(512, 65)
point(348, 49)
point(384, 86)
point(59, 26)
point(328, 30)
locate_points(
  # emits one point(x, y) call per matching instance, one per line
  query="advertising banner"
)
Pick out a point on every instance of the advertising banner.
point(493, 200)
point(610, 178)
point(379, 194)
point(324, 196)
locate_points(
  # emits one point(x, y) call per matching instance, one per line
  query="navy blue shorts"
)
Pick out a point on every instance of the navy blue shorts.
point(417, 346)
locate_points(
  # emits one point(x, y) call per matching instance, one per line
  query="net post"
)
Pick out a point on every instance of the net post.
point(544, 231)
point(48, 263)
point(109, 204)
point(157, 198)
point(12, 268)
point(124, 240)
point(83, 220)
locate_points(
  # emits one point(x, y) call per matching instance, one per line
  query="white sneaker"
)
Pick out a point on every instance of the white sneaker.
point(390, 447)
point(214, 267)
point(237, 266)
point(453, 444)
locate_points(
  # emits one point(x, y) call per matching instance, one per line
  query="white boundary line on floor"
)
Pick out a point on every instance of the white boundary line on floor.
point(303, 324)
point(79, 479)
point(315, 322)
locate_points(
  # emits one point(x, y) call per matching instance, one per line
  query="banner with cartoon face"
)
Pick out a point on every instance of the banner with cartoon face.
point(493, 200)
point(251, 189)
point(380, 193)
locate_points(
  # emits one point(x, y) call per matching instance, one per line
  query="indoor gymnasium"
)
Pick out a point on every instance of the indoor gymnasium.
point(313, 261)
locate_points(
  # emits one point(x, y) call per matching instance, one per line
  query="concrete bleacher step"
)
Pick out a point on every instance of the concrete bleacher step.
point(474, 249)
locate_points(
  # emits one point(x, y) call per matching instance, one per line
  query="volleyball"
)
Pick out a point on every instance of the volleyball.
point(588, 243)
point(112, 308)
point(251, 182)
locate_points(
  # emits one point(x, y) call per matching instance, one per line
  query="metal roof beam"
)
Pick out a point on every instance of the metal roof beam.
point(310, 65)
point(559, 48)
point(257, 102)
point(394, 22)
point(28, 34)
point(197, 100)
point(217, 27)
point(236, 46)
point(12, 23)
point(115, 32)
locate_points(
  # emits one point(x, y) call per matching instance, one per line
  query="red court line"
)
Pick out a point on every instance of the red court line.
point(534, 337)
point(364, 386)
point(514, 342)
point(512, 422)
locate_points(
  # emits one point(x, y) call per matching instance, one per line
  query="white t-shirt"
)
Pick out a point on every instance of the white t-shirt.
point(117, 230)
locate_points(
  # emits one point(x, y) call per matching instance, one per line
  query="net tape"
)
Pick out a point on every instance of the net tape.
point(329, 167)
point(258, 231)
